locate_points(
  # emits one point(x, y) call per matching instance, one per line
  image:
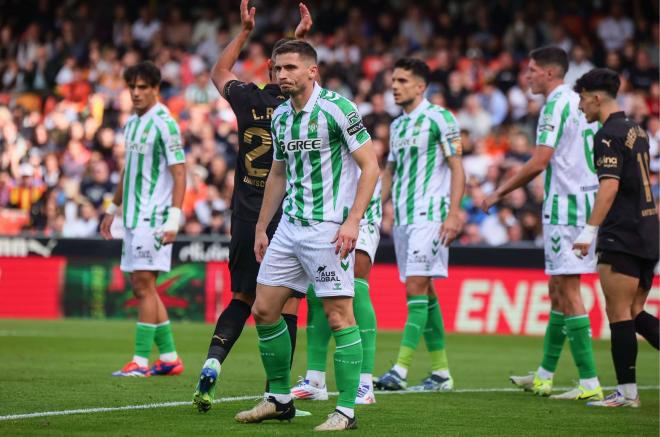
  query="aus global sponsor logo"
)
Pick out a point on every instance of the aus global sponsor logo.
point(303, 145)
point(325, 275)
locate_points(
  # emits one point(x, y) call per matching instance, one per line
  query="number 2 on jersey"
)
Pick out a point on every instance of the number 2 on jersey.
point(266, 143)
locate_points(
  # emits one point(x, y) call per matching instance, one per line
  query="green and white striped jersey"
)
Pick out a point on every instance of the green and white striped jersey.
point(374, 212)
point(316, 145)
point(420, 143)
point(153, 142)
point(570, 179)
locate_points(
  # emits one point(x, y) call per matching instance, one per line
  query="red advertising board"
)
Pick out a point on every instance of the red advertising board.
point(492, 300)
point(30, 287)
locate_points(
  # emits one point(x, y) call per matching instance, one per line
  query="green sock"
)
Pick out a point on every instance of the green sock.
point(318, 332)
point(415, 324)
point(275, 349)
point(165, 341)
point(144, 338)
point(553, 342)
point(434, 335)
point(365, 317)
point(578, 330)
point(348, 362)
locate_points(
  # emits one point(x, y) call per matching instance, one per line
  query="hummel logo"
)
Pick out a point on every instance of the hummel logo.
point(556, 249)
point(555, 240)
point(220, 339)
point(345, 265)
point(607, 142)
point(435, 242)
point(434, 251)
point(320, 269)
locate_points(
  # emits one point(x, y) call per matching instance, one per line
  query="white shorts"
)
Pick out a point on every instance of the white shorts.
point(559, 257)
point(368, 240)
point(141, 251)
point(419, 251)
point(298, 255)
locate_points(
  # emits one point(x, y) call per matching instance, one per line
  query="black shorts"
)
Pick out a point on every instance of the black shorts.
point(630, 265)
point(243, 265)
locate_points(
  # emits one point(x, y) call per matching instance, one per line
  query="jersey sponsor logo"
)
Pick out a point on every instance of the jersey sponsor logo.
point(355, 128)
point(399, 143)
point(134, 146)
point(607, 162)
point(354, 123)
point(174, 143)
point(545, 124)
point(300, 145)
point(324, 275)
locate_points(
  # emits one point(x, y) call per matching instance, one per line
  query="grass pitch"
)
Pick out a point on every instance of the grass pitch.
point(66, 365)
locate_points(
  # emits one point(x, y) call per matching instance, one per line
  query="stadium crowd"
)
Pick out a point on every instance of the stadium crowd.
point(63, 101)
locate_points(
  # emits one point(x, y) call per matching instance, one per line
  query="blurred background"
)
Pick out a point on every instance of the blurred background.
point(63, 102)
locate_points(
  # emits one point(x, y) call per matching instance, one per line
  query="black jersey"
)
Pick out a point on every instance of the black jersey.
point(621, 151)
point(253, 107)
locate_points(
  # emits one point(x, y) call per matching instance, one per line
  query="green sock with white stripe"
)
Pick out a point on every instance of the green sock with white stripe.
point(434, 335)
point(348, 362)
point(578, 331)
point(275, 349)
point(318, 333)
point(144, 339)
point(418, 307)
point(553, 343)
point(165, 341)
point(365, 316)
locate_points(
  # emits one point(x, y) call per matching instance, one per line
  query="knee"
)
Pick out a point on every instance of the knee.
point(338, 319)
point(263, 313)
point(141, 286)
point(417, 287)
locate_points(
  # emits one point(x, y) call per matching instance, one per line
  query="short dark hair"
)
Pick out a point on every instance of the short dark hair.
point(550, 55)
point(303, 48)
point(416, 66)
point(279, 43)
point(145, 70)
point(599, 79)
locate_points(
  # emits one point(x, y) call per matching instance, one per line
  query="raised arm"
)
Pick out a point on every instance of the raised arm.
point(221, 72)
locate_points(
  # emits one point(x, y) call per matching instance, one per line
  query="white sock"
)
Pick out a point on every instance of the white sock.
point(590, 383)
point(282, 399)
point(367, 379)
point(442, 373)
point(141, 361)
point(213, 363)
point(348, 412)
point(169, 356)
point(316, 378)
point(628, 390)
point(402, 371)
point(544, 374)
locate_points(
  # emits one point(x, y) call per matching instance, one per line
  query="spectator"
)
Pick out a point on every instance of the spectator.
point(146, 28)
point(474, 118)
point(615, 29)
point(494, 102)
point(96, 188)
point(578, 65)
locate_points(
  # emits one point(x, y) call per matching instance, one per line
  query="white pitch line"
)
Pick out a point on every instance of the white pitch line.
point(248, 398)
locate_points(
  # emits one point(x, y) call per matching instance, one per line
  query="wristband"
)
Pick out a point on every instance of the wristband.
point(173, 220)
point(111, 209)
